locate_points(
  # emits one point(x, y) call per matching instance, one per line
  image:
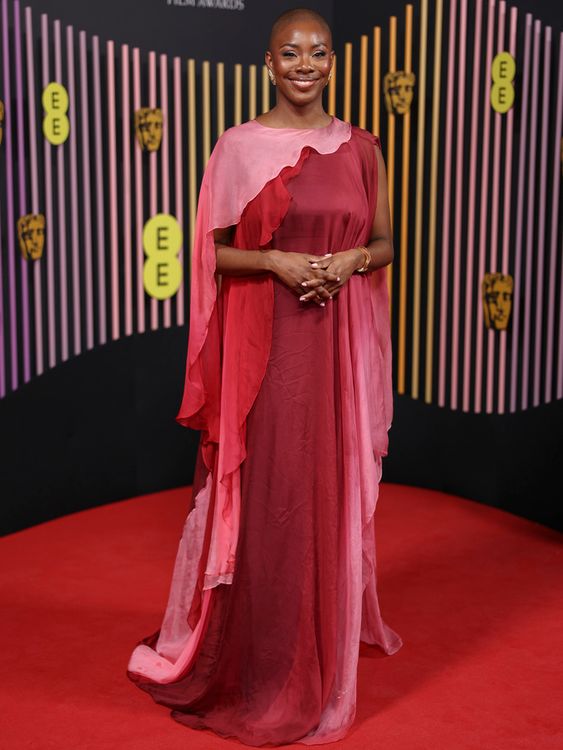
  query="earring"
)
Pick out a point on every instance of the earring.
point(272, 79)
point(330, 75)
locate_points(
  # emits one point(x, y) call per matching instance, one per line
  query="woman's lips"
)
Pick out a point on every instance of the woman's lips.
point(303, 85)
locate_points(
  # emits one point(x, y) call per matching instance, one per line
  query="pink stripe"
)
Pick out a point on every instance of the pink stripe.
point(153, 185)
point(178, 178)
point(25, 266)
point(10, 201)
point(49, 218)
point(99, 161)
point(165, 161)
point(446, 215)
point(531, 177)
point(472, 197)
point(549, 374)
point(32, 130)
point(540, 243)
point(518, 236)
point(484, 205)
point(61, 215)
point(491, 337)
point(127, 223)
point(459, 203)
point(141, 324)
point(112, 154)
point(86, 197)
point(506, 215)
point(73, 193)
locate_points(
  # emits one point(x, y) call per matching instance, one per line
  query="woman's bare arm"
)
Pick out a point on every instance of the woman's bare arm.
point(381, 241)
point(234, 262)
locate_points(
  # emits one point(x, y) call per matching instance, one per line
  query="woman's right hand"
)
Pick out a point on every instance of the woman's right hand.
point(294, 268)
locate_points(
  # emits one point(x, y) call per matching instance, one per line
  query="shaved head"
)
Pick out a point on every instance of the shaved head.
point(294, 15)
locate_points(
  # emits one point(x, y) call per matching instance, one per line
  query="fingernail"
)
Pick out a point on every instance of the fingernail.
point(301, 298)
point(303, 283)
point(338, 278)
point(322, 304)
point(314, 265)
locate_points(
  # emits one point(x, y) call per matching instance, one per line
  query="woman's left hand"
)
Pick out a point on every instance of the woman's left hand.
point(343, 264)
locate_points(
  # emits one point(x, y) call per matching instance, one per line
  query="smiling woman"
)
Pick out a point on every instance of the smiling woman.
point(288, 377)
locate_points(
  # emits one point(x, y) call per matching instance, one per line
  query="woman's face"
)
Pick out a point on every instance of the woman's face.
point(300, 57)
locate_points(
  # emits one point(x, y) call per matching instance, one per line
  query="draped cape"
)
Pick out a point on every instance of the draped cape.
point(228, 348)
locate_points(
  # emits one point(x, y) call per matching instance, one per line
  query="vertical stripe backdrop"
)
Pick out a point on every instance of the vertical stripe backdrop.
point(470, 191)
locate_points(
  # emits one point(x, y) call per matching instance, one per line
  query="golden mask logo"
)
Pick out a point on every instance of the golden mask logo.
point(399, 91)
point(162, 240)
point(31, 235)
point(503, 70)
point(497, 299)
point(1, 120)
point(56, 125)
point(148, 127)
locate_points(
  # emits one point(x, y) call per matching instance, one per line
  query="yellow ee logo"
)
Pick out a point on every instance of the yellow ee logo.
point(503, 71)
point(162, 240)
point(56, 125)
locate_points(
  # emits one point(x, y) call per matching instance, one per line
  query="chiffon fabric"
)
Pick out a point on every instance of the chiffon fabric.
point(274, 582)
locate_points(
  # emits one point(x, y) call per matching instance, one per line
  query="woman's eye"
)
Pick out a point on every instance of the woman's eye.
point(288, 53)
point(321, 53)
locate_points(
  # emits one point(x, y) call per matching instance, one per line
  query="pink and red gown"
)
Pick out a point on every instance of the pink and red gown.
point(275, 658)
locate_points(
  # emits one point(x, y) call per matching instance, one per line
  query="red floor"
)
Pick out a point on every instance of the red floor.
point(476, 594)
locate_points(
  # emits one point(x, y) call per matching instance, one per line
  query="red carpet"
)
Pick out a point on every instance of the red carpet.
point(475, 593)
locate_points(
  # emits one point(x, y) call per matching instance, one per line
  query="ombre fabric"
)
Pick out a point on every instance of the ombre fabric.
point(275, 583)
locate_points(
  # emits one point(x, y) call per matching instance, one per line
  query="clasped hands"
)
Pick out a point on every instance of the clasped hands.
point(316, 278)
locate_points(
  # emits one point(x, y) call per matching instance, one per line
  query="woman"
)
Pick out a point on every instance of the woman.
point(288, 378)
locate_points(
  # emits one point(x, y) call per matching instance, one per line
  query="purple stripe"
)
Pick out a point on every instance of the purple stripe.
point(531, 177)
point(540, 244)
point(112, 168)
point(471, 222)
point(12, 289)
point(178, 178)
point(484, 205)
point(73, 193)
point(49, 245)
point(495, 196)
point(459, 203)
point(24, 264)
point(506, 215)
point(140, 256)
point(153, 185)
point(99, 161)
point(446, 215)
point(165, 176)
point(86, 196)
point(518, 235)
point(549, 375)
point(61, 234)
point(39, 265)
point(126, 148)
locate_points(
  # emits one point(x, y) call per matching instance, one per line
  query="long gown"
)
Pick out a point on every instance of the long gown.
point(277, 657)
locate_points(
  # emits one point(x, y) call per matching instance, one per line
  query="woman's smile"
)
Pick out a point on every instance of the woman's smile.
point(303, 84)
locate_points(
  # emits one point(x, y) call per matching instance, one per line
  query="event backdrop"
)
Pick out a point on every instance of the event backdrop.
point(103, 143)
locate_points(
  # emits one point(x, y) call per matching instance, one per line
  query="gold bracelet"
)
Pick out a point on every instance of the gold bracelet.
point(367, 261)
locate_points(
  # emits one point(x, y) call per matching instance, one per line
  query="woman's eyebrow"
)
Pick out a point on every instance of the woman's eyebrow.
point(290, 44)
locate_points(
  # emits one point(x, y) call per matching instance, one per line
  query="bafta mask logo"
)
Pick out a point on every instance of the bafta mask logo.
point(497, 299)
point(148, 127)
point(399, 91)
point(31, 235)
point(1, 120)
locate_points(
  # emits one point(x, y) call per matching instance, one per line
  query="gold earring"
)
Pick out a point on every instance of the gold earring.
point(272, 79)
